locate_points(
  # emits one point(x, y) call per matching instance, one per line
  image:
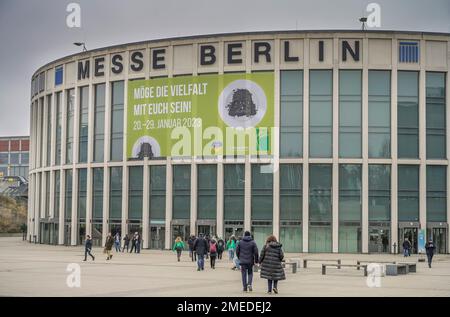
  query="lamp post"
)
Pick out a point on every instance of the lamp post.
point(363, 20)
point(81, 44)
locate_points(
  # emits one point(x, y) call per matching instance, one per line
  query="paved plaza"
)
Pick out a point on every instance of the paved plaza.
point(40, 270)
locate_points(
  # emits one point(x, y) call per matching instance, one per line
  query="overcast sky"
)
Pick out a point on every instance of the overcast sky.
point(34, 32)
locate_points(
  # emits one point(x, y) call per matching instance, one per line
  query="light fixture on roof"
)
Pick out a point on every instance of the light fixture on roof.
point(363, 20)
point(81, 44)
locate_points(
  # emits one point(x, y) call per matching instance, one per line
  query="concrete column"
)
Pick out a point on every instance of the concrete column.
point(422, 140)
point(248, 195)
point(193, 215)
point(220, 200)
point(89, 193)
point(62, 206)
point(105, 218)
point(74, 228)
point(447, 113)
point(305, 180)
point(124, 223)
point(276, 146)
point(365, 151)
point(90, 156)
point(335, 178)
point(145, 205)
point(169, 179)
point(394, 148)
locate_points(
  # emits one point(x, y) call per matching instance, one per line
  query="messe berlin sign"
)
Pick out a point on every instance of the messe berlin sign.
point(207, 115)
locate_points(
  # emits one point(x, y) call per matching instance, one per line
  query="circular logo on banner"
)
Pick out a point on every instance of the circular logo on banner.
point(242, 103)
point(146, 146)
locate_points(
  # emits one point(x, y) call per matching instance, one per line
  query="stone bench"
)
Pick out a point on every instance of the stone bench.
point(292, 264)
point(324, 267)
point(410, 267)
point(381, 262)
point(305, 261)
point(396, 269)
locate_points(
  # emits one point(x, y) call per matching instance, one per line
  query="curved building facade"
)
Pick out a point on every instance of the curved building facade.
point(334, 141)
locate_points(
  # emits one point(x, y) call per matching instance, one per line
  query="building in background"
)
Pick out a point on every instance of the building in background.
point(14, 156)
point(363, 140)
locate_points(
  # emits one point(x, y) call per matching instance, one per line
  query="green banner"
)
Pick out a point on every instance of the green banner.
point(230, 114)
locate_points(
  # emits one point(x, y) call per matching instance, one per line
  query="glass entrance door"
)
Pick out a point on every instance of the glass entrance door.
point(439, 236)
point(157, 237)
point(67, 233)
point(409, 233)
point(206, 230)
point(379, 240)
point(182, 231)
point(237, 231)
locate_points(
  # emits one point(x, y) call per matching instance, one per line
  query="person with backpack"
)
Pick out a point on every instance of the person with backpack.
point(213, 252)
point(430, 248)
point(108, 246)
point(247, 253)
point(178, 246)
point(192, 253)
point(231, 247)
point(88, 248)
point(201, 247)
point(270, 260)
point(220, 248)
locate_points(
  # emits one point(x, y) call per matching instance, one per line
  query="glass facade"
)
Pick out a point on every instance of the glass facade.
point(435, 120)
point(291, 113)
point(68, 195)
point(320, 113)
point(135, 192)
point(57, 194)
point(262, 194)
point(82, 194)
point(379, 192)
point(408, 193)
point(70, 104)
point(181, 192)
point(83, 127)
point(115, 193)
point(49, 129)
point(99, 122)
point(206, 191)
point(320, 207)
point(350, 115)
point(117, 100)
point(436, 193)
point(291, 179)
point(97, 194)
point(379, 104)
point(157, 192)
point(408, 114)
point(233, 191)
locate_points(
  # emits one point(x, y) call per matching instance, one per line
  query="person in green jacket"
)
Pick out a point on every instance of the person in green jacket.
point(178, 246)
point(231, 246)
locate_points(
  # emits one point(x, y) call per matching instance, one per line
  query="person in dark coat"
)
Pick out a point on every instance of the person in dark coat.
point(201, 247)
point(270, 259)
point(406, 248)
point(247, 253)
point(126, 242)
point(88, 248)
point(430, 247)
point(192, 253)
point(108, 246)
point(220, 248)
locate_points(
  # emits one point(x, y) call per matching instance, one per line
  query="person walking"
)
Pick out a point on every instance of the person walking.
point(126, 242)
point(23, 228)
point(231, 247)
point(192, 254)
point(108, 246)
point(213, 252)
point(88, 248)
point(247, 253)
point(138, 242)
point(117, 241)
point(201, 247)
point(178, 246)
point(208, 239)
point(430, 247)
point(133, 244)
point(270, 260)
point(406, 248)
point(220, 248)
